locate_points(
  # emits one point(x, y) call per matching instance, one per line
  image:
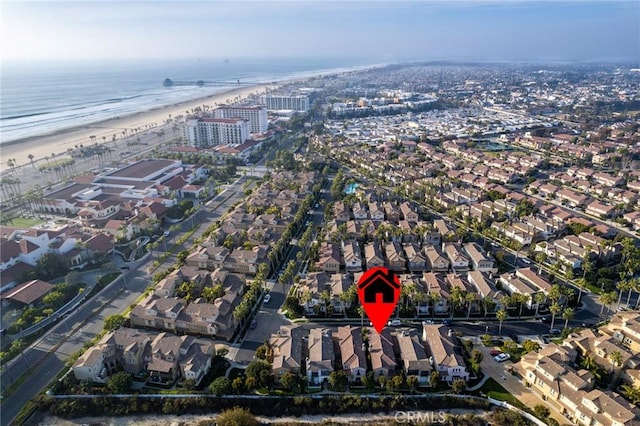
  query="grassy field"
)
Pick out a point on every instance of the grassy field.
point(21, 222)
point(494, 390)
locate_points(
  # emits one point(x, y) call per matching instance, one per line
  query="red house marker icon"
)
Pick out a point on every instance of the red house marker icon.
point(379, 292)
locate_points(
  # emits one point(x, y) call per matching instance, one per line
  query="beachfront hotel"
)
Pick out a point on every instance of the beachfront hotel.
point(257, 116)
point(283, 103)
point(208, 132)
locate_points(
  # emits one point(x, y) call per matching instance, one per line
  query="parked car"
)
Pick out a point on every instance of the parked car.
point(267, 298)
point(502, 357)
point(394, 323)
point(165, 234)
point(253, 324)
point(495, 352)
point(446, 322)
point(526, 261)
point(555, 331)
point(124, 267)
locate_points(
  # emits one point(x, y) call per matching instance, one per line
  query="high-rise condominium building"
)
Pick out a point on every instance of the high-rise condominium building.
point(292, 103)
point(257, 116)
point(208, 132)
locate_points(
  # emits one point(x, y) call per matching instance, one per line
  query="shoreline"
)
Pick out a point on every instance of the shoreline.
point(58, 142)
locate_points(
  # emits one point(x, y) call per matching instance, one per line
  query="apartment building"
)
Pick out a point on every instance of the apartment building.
point(210, 132)
point(285, 103)
point(257, 116)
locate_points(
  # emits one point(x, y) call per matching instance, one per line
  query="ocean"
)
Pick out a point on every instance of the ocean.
point(38, 98)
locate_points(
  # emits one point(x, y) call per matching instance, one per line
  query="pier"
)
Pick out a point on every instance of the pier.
point(170, 83)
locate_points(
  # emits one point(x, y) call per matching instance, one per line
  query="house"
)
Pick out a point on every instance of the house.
point(341, 212)
point(459, 262)
point(600, 210)
point(485, 286)
point(329, 260)
point(531, 277)
point(373, 255)
point(548, 373)
point(416, 261)
point(352, 353)
point(407, 213)
point(310, 291)
point(446, 356)
point(352, 256)
point(376, 212)
point(395, 257)
point(436, 262)
point(480, 261)
point(321, 356)
point(447, 233)
point(625, 328)
point(28, 293)
point(414, 358)
point(286, 345)
point(359, 211)
point(438, 291)
point(338, 285)
point(124, 347)
point(174, 357)
point(383, 360)
point(512, 284)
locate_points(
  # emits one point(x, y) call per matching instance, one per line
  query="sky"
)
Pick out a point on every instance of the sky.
point(379, 31)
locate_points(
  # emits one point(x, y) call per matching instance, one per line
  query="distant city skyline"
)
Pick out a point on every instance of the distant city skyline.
point(377, 31)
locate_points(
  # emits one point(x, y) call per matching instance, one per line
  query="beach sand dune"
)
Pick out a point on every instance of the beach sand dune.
point(59, 142)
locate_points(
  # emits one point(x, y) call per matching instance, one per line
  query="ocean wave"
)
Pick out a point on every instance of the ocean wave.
point(87, 99)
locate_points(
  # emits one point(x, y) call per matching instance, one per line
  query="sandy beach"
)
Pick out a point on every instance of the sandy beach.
point(59, 142)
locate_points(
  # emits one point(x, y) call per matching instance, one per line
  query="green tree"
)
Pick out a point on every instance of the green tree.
point(236, 417)
point(220, 386)
point(337, 380)
point(434, 378)
point(261, 370)
point(237, 385)
point(189, 384)
point(412, 382)
point(541, 411)
point(287, 380)
point(119, 383)
point(458, 386)
point(113, 322)
point(530, 346)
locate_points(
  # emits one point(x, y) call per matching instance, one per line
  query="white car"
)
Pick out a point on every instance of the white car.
point(267, 298)
point(394, 323)
point(502, 357)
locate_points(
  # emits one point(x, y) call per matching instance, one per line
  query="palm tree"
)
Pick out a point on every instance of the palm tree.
point(555, 310)
point(522, 300)
point(501, 315)
point(567, 315)
point(607, 299)
point(470, 298)
point(539, 298)
point(616, 359)
point(623, 285)
point(31, 157)
point(361, 312)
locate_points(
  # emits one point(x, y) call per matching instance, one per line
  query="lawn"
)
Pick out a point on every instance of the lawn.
point(494, 390)
point(21, 222)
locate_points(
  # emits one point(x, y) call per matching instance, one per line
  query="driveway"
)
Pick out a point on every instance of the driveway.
point(498, 371)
